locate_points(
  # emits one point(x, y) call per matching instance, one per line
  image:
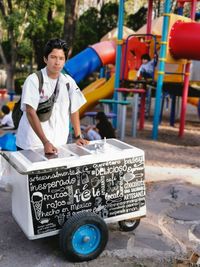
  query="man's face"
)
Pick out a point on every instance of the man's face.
point(55, 61)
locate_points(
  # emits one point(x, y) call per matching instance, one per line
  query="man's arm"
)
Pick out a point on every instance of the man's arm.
point(75, 119)
point(36, 126)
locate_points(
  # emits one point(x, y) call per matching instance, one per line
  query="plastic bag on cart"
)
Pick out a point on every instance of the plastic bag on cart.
point(5, 175)
point(7, 142)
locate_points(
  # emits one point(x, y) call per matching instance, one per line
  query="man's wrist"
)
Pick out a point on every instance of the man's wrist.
point(79, 136)
point(45, 142)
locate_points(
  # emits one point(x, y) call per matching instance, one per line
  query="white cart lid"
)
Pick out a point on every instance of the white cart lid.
point(28, 161)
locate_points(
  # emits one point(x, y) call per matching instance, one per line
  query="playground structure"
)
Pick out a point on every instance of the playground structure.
point(180, 30)
point(175, 53)
point(170, 31)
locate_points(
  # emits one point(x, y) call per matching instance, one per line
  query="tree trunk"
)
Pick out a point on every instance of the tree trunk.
point(10, 78)
point(12, 66)
point(38, 52)
point(71, 10)
point(10, 69)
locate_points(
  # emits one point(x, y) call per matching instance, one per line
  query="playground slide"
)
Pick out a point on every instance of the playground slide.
point(93, 95)
point(91, 87)
point(88, 61)
point(83, 64)
point(193, 101)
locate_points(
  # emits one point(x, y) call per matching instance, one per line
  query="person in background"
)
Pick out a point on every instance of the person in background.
point(33, 133)
point(7, 117)
point(146, 70)
point(104, 126)
point(91, 133)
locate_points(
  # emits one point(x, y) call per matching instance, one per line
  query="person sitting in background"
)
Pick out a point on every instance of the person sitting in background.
point(90, 133)
point(146, 70)
point(7, 117)
point(104, 126)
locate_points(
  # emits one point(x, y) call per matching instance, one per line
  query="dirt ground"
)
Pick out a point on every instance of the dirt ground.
point(179, 154)
point(170, 149)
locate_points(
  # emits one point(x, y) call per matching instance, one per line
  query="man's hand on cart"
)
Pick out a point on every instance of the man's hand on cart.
point(80, 141)
point(49, 148)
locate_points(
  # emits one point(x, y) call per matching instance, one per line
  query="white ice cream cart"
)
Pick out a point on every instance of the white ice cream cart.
point(77, 192)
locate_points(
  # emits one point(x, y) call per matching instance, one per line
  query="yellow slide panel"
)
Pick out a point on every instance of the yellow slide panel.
point(91, 87)
point(95, 93)
point(193, 101)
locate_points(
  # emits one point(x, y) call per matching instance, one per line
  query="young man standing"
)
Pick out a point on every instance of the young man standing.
point(33, 133)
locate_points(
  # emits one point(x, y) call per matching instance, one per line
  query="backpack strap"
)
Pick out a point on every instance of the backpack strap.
point(67, 85)
point(41, 80)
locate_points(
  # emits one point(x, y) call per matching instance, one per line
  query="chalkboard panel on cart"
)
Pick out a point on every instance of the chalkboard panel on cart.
point(108, 189)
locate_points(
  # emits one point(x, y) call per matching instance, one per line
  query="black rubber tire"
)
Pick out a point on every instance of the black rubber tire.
point(72, 225)
point(129, 225)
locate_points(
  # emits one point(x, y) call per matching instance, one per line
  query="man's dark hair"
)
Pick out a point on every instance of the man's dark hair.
point(55, 44)
point(5, 109)
point(146, 56)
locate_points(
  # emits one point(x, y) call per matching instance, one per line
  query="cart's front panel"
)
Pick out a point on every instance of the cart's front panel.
point(110, 189)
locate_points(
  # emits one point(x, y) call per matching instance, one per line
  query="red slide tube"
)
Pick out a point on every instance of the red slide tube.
point(106, 51)
point(185, 40)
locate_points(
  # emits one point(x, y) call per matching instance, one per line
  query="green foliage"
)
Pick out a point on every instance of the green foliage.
point(45, 23)
point(6, 45)
point(137, 20)
point(87, 30)
point(24, 50)
point(109, 17)
point(28, 21)
point(38, 16)
point(18, 85)
point(92, 25)
point(14, 21)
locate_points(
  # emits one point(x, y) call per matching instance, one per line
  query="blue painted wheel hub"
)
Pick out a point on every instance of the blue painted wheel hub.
point(86, 239)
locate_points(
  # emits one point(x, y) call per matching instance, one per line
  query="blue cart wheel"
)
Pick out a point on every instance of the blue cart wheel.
point(86, 239)
point(129, 225)
point(83, 237)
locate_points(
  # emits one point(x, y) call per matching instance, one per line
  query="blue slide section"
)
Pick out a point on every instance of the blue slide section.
point(82, 64)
